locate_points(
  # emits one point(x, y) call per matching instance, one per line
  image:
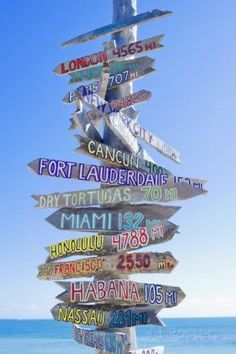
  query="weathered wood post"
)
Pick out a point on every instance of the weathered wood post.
point(121, 10)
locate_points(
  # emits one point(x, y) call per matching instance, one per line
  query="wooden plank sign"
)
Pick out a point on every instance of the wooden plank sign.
point(104, 174)
point(107, 196)
point(113, 82)
point(120, 291)
point(153, 350)
point(112, 156)
point(117, 53)
point(94, 101)
point(159, 232)
point(109, 265)
point(110, 219)
point(121, 103)
point(118, 26)
point(104, 316)
point(110, 342)
point(116, 68)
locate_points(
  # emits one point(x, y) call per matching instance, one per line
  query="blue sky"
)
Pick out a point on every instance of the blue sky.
point(192, 108)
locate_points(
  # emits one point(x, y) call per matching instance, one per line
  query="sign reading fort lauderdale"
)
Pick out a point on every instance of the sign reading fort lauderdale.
point(94, 173)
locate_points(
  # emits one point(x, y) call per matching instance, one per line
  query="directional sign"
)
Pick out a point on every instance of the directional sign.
point(116, 68)
point(105, 317)
point(104, 174)
point(112, 156)
point(117, 218)
point(108, 196)
point(118, 26)
point(153, 350)
point(121, 103)
point(110, 342)
point(116, 53)
point(120, 291)
point(159, 232)
point(113, 82)
point(134, 48)
point(109, 265)
point(94, 101)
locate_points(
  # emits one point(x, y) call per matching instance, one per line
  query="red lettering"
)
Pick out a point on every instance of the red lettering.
point(72, 65)
point(74, 291)
point(63, 69)
point(101, 291)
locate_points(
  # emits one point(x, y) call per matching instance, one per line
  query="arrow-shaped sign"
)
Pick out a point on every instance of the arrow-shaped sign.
point(121, 103)
point(113, 219)
point(113, 116)
point(84, 123)
point(108, 196)
point(120, 292)
point(112, 156)
point(109, 265)
point(116, 69)
point(104, 174)
point(113, 82)
point(115, 53)
point(110, 342)
point(158, 232)
point(118, 26)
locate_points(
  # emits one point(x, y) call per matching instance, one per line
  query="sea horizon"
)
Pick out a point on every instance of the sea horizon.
point(182, 335)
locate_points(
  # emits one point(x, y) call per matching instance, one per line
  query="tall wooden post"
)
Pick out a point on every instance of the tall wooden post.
point(121, 10)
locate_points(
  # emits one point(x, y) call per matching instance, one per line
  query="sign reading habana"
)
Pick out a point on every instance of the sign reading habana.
point(123, 263)
point(100, 244)
point(119, 292)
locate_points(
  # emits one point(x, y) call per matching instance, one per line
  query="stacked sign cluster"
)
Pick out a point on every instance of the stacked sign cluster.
point(123, 215)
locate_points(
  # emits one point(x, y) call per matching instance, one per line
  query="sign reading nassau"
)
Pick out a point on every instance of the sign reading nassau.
point(105, 317)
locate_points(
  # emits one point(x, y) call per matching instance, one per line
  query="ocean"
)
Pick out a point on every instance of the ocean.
point(181, 336)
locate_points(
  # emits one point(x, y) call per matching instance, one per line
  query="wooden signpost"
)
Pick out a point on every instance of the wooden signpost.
point(103, 244)
point(149, 262)
point(108, 342)
point(124, 218)
point(117, 68)
point(124, 292)
point(104, 316)
point(122, 211)
point(119, 26)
